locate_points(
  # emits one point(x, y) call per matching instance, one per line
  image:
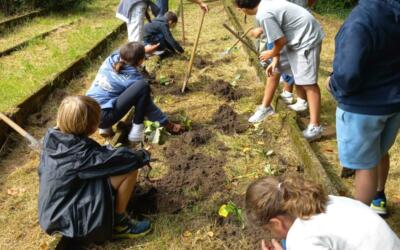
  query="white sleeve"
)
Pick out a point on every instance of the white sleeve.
point(309, 243)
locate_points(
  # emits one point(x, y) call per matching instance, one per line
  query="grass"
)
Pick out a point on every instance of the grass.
point(27, 70)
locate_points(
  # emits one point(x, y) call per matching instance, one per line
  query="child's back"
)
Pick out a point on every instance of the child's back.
point(346, 224)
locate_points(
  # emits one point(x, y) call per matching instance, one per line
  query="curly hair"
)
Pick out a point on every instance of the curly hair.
point(292, 195)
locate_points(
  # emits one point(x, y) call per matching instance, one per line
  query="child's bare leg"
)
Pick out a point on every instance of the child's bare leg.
point(366, 183)
point(383, 171)
point(124, 185)
point(270, 88)
point(300, 92)
point(313, 94)
point(288, 87)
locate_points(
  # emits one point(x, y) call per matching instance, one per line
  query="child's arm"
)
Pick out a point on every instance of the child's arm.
point(272, 67)
point(256, 32)
point(202, 5)
point(102, 162)
point(275, 51)
point(171, 40)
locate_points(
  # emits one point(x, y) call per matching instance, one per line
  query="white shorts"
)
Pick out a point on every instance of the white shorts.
point(136, 24)
point(302, 64)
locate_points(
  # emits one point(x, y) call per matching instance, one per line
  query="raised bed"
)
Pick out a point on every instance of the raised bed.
point(33, 103)
point(11, 22)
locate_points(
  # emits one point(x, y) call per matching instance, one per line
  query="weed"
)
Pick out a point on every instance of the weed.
point(155, 133)
point(231, 208)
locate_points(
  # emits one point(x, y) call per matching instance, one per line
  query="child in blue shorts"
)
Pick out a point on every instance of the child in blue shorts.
point(366, 84)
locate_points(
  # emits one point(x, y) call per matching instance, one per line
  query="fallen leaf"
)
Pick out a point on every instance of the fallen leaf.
point(246, 149)
point(210, 234)
point(269, 152)
point(260, 143)
point(187, 234)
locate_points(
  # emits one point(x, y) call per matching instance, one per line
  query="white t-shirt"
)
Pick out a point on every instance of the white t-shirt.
point(347, 224)
point(282, 18)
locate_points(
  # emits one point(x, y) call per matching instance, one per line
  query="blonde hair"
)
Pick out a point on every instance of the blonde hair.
point(78, 115)
point(292, 195)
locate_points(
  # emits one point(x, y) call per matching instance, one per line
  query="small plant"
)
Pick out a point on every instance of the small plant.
point(269, 170)
point(164, 81)
point(230, 208)
point(155, 133)
point(185, 121)
point(234, 82)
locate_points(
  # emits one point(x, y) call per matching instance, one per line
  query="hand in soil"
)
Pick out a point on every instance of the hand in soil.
point(274, 245)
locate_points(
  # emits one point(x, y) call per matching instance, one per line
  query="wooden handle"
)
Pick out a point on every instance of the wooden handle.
point(17, 128)
point(189, 70)
point(183, 24)
point(237, 41)
point(240, 38)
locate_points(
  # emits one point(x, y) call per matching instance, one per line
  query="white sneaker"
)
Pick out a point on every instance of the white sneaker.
point(137, 133)
point(287, 97)
point(313, 132)
point(106, 132)
point(261, 113)
point(300, 105)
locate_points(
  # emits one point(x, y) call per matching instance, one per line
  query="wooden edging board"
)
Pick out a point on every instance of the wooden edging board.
point(33, 103)
point(313, 168)
point(19, 19)
point(26, 42)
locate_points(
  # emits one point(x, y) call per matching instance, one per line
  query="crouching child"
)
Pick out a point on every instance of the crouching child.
point(84, 187)
point(158, 32)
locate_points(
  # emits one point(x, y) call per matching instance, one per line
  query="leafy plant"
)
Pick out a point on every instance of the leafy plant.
point(231, 209)
point(234, 82)
point(164, 81)
point(155, 133)
point(185, 121)
point(269, 170)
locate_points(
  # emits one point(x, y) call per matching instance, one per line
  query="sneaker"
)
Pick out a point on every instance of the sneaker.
point(106, 132)
point(379, 206)
point(287, 97)
point(313, 132)
point(137, 133)
point(126, 228)
point(300, 105)
point(261, 113)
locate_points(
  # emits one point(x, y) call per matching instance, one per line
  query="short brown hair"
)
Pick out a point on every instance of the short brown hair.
point(291, 195)
point(131, 53)
point(78, 115)
point(171, 16)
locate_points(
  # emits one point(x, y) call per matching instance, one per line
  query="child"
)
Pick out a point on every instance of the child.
point(158, 32)
point(299, 211)
point(295, 31)
point(119, 86)
point(366, 84)
point(84, 187)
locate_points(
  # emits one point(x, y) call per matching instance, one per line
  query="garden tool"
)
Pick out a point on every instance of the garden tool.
point(228, 51)
point(251, 48)
point(189, 70)
point(33, 143)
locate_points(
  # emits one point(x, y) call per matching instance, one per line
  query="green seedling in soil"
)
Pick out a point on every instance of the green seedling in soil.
point(155, 133)
point(164, 81)
point(266, 152)
point(185, 121)
point(231, 209)
point(234, 82)
point(269, 170)
point(226, 37)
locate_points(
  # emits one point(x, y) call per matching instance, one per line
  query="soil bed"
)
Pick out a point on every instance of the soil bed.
point(228, 121)
point(223, 89)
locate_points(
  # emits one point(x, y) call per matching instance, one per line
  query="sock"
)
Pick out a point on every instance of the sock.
point(299, 100)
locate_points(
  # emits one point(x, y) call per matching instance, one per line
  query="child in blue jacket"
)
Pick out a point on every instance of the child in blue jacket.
point(366, 84)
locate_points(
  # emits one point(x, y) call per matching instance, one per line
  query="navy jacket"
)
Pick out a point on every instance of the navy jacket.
point(158, 32)
point(366, 68)
point(75, 196)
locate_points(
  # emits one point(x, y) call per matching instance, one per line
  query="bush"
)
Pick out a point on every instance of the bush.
point(9, 7)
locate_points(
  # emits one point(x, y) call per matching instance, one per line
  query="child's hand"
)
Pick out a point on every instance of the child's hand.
point(271, 69)
point(204, 7)
point(151, 48)
point(274, 245)
point(265, 55)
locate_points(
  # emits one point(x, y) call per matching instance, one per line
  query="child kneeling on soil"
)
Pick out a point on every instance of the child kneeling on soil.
point(158, 32)
point(301, 212)
point(296, 33)
point(119, 86)
point(85, 187)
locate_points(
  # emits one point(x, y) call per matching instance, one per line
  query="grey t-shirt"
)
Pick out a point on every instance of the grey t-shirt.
point(282, 18)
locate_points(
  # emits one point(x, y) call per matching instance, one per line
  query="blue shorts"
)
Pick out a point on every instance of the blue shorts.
point(364, 139)
point(286, 77)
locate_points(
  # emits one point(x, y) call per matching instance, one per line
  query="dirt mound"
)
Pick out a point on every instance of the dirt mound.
point(197, 138)
point(192, 177)
point(201, 63)
point(227, 120)
point(224, 89)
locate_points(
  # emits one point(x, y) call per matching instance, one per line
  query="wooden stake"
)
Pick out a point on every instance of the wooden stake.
point(189, 70)
point(183, 24)
point(237, 41)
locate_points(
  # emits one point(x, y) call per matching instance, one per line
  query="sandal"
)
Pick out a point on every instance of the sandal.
point(174, 128)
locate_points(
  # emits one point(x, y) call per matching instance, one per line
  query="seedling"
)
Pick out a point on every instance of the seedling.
point(231, 209)
point(155, 133)
point(185, 121)
point(234, 82)
point(164, 81)
point(269, 170)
